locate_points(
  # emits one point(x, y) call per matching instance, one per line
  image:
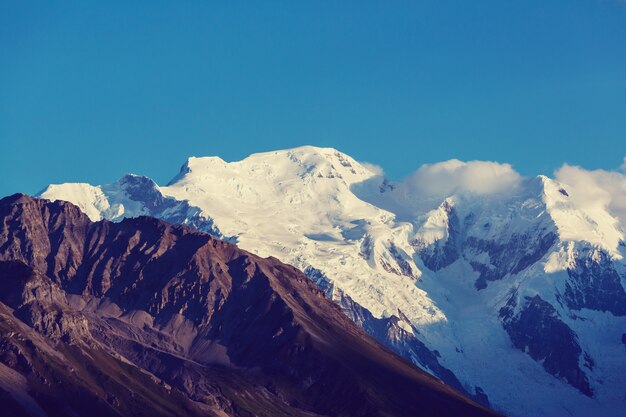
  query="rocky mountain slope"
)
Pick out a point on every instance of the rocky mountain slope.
point(145, 318)
point(515, 297)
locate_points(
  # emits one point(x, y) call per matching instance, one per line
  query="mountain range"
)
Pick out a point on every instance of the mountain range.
point(145, 318)
point(514, 296)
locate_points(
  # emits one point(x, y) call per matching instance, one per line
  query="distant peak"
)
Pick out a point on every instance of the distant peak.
point(181, 173)
point(301, 150)
point(329, 154)
point(447, 205)
point(134, 180)
point(196, 162)
point(542, 185)
point(310, 149)
point(305, 160)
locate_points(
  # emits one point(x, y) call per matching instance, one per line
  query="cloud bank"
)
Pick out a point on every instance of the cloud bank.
point(596, 189)
point(426, 188)
point(446, 178)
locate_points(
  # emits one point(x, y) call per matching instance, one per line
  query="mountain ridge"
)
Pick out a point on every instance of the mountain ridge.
point(223, 331)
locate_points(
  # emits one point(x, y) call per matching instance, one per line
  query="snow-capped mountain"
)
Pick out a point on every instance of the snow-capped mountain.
point(516, 296)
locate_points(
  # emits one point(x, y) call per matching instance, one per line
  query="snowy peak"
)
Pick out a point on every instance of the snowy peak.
point(306, 162)
point(539, 206)
point(195, 165)
point(130, 196)
point(133, 183)
point(437, 223)
point(138, 188)
point(581, 222)
point(504, 235)
point(90, 199)
point(306, 187)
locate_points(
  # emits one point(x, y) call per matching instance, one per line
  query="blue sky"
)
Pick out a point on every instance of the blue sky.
point(90, 91)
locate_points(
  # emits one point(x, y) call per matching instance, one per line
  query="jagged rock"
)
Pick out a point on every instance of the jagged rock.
point(595, 284)
point(537, 330)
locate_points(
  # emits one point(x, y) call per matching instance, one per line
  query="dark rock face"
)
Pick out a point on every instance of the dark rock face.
point(140, 188)
point(595, 284)
point(143, 318)
point(506, 257)
point(400, 259)
point(538, 331)
point(511, 257)
point(321, 280)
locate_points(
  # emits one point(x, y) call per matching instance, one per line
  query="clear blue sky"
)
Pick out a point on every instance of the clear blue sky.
point(90, 91)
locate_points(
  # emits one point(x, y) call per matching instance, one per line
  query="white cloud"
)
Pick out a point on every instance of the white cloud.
point(446, 178)
point(375, 169)
point(596, 188)
point(430, 184)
